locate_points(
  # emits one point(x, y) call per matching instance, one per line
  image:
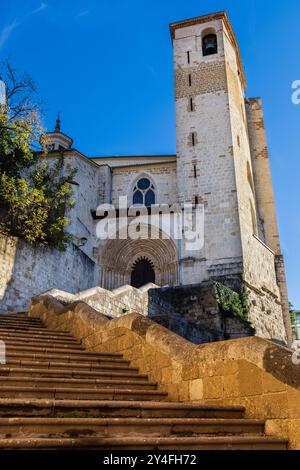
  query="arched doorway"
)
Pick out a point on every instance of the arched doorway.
point(142, 273)
point(117, 259)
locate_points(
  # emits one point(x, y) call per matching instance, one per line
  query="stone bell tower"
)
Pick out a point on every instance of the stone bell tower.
point(215, 167)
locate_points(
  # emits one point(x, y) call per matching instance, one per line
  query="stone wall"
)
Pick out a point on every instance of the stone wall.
point(26, 271)
point(113, 304)
point(88, 193)
point(238, 372)
point(163, 176)
point(191, 311)
point(262, 172)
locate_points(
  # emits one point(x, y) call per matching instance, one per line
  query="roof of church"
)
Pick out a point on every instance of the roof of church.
point(114, 162)
point(133, 160)
point(134, 156)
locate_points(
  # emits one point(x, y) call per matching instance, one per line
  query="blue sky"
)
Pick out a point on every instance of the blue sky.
point(107, 66)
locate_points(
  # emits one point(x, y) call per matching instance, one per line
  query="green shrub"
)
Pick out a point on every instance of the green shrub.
point(231, 302)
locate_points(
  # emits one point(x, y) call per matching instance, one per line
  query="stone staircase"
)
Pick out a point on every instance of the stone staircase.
point(56, 395)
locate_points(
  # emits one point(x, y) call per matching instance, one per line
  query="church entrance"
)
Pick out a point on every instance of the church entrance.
point(142, 273)
point(137, 263)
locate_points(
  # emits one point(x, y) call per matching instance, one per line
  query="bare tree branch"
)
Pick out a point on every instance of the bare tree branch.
point(21, 92)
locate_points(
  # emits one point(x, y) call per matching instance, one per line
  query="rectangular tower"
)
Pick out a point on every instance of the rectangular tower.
point(215, 168)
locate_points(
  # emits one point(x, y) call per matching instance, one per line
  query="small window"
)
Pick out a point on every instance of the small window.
point(190, 79)
point(250, 177)
point(243, 112)
point(209, 44)
point(254, 221)
point(144, 193)
point(195, 171)
point(191, 104)
point(193, 139)
point(188, 57)
point(238, 140)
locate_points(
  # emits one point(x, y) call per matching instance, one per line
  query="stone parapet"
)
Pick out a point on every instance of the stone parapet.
point(251, 371)
point(192, 312)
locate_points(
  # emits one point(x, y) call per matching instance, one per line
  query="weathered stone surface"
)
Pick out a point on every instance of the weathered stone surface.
point(234, 372)
point(26, 271)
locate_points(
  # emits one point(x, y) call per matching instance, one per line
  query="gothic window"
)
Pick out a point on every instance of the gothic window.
point(209, 44)
point(144, 193)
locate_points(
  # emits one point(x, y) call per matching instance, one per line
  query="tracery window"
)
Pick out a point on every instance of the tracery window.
point(144, 193)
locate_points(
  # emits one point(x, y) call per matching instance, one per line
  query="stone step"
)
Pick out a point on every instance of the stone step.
point(75, 366)
point(70, 373)
point(39, 349)
point(41, 345)
point(80, 393)
point(35, 336)
point(10, 407)
point(27, 327)
point(22, 320)
point(15, 314)
point(77, 383)
point(39, 342)
point(23, 349)
point(75, 427)
point(74, 358)
point(32, 323)
point(44, 350)
point(20, 314)
point(41, 332)
point(148, 443)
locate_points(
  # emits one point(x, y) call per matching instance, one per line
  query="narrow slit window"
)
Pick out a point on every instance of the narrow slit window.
point(191, 104)
point(193, 139)
point(188, 57)
point(243, 113)
point(254, 220)
point(195, 171)
point(196, 200)
point(190, 79)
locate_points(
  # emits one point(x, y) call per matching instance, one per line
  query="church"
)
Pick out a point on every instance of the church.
point(221, 164)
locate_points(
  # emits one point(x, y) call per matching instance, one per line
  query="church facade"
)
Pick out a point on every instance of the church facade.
point(221, 165)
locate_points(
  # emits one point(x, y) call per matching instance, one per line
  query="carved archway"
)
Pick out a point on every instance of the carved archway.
point(117, 259)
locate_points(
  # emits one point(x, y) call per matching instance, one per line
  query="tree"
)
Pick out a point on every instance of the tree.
point(34, 196)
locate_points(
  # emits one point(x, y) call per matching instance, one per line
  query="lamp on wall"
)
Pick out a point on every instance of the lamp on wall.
point(79, 242)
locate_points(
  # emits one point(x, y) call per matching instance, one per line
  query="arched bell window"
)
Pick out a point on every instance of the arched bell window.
point(210, 44)
point(144, 193)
